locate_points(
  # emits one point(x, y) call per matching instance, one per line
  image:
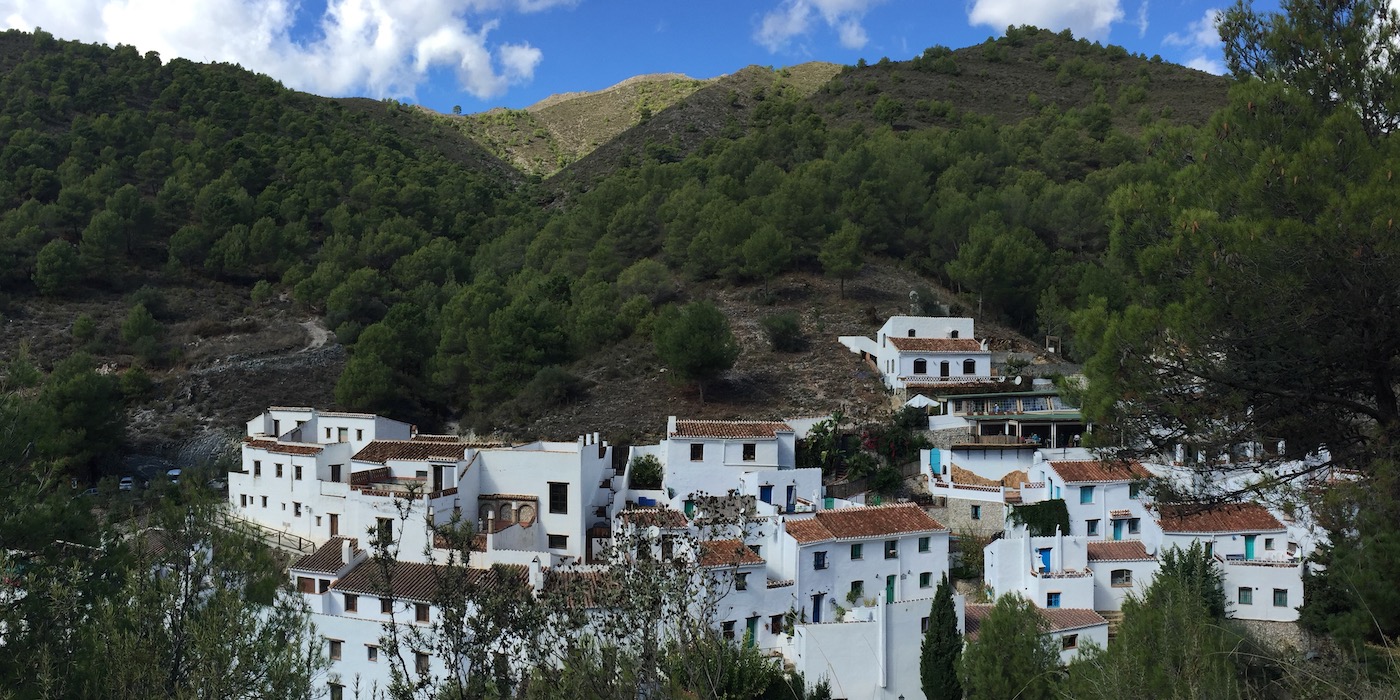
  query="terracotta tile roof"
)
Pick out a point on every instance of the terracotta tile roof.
point(381, 451)
point(936, 344)
point(808, 530)
point(1052, 619)
point(727, 553)
point(326, 559)
point(863, 522)
point(345, 414)
point(286, 448)
point(1127, 550)
point(730, 428)
point(1226, 517)
point(1091, 470)
point(1120, 513)
point(1065, 619)
point(420, 582)
point(659, 516)
point(303, 409)
point(578, 589)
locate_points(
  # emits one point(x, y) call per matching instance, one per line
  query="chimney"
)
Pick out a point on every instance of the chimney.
point(536, 576)
point(345, 550)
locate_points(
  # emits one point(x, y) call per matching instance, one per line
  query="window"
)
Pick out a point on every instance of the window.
point(1280, 597)
point(923, 544)
point(1134, 491)
point(296, 472)
point(969, 367)
point(1134, 526)
point(857, 551)
point(1092, 527)
point(727, 628)
point(750, 451)
point(243, 500)
point(342, 434)
point(1086, 494)
point(977, 512)
point(1052, 600)
point(420, 612)
point(943, 370)
point(1246, 596)
point(818, 560)
point(891, 549)
point(264, 501)
point(337, 691)
point(352, 602)
point(323, 585)
point(371, 653)
point(857, 590)
point(1068, 642)
point(279, 470)
point(384, 530)
point(328, 432)
point(1268, 543)
point(926, 579)
point(775, 624)
point(306, 585)
point(765, 493)
point(1121, 578)
point(953, 335)
point(335, 649)
point(359, 434)
point(296, 509)
point(923, 625)
point(257, 468)
point(911, 332)
point(558, 497)
point(420, 662)
point(386, 605)
point(741, 582)
point(421, 474)
point(335, 472)
point(921, 366)
point(697, 452)
point(558, 541)
point(757, 549)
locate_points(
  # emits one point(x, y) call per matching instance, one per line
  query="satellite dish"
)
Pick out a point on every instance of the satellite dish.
point(1017, 380)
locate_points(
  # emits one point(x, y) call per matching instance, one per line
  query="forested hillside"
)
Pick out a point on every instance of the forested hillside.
point(460, 291)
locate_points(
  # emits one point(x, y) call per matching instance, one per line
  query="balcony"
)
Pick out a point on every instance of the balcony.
point(1063, 574)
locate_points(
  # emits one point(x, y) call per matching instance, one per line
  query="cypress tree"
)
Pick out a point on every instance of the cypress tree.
point(942, 650)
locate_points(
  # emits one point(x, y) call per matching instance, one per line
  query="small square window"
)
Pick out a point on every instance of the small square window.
point(420, 663)
point(750, 452)
point(328, 433)
point(1091, 527)
point(296, 509)
point(1280, 597)
point(1069, 641)
point(1086, 494)
point(1268, 543)
point(756, 549)
point(386, 605)
point(1134, 526)
point(337, 691)
point(559, 497)
point(323, 585)
point(926, 579)
point(891, 549)
point(1246, 595)
point(420, 612)
point(359, 434)
point(342, 434)
point(741, 582)
point(371, 653)
point(775, 624)
point(558, 541)
point(318, 521)
point(264, 501)
point(857, 551)
point(819, 560)
point(296, 472)
point(257, 468)
point(857, 590)
point(977, 512)
point(923, 544)
point(923, 625)
point(279, 470)
point(1135, 491)
point(1121, 578)
point(1052, 600)
point(727, 629)
point(352, 602)
point(697, 452)
point(335, 649)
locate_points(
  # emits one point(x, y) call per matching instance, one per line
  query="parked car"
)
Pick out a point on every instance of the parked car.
point(126, 484)
point(174, 475)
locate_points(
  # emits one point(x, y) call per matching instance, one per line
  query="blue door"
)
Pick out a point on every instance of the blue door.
point(791, 498)
point(935, 462)
point(765, 494)
point(1045, 559)
point(1118, 529)
point(1249, 547)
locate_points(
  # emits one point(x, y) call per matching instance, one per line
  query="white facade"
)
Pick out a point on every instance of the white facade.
point(1052, 572)
point(751, 458)
point(914, 351)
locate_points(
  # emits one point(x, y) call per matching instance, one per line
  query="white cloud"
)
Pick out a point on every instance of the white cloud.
point(1200, 43)
point(794, 18)
point(1142, 19)
point(1086, 18)
point(378, 47)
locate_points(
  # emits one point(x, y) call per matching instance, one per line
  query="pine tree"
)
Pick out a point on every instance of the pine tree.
point(695, 342)
point(942, 650)
point(1010, 658)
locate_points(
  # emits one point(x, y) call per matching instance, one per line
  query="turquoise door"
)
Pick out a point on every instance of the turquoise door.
point(751, 634)
point(935, 462)
point(1118, 529)
point(1045, 559)
point(889, 589)
point(1249, 547)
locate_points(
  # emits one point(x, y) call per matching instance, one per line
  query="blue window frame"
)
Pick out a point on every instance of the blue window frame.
point(1052, 600)
point(1086, 494)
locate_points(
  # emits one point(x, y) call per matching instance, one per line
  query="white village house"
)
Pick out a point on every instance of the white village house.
point(914, 352)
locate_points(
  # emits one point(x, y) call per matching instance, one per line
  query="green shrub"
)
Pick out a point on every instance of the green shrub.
point(785, 332)
point(646, 472)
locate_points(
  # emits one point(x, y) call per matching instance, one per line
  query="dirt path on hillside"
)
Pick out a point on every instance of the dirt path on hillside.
point(316, 329)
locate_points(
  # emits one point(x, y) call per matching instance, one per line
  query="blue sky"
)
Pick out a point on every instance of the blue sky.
point(487, 53)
